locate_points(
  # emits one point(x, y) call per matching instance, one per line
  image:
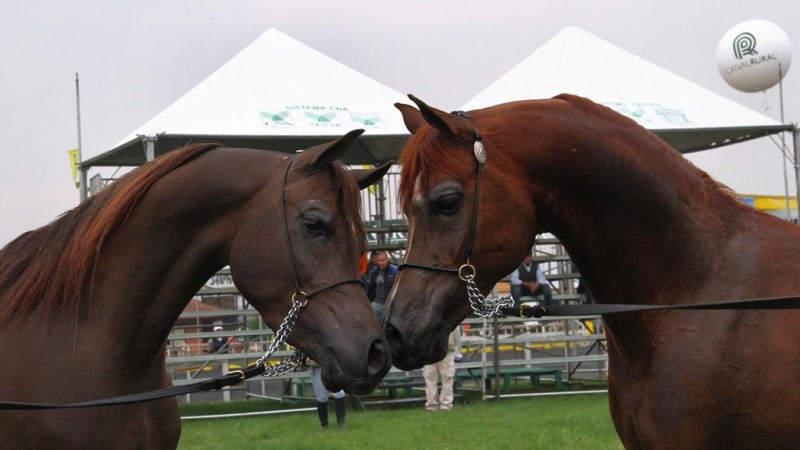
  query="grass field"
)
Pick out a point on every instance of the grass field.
point(561, 422)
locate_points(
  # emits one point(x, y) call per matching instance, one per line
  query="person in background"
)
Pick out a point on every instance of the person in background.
point(370, 266)
point(457, 353)
point(528, 280)
point(362, 266)
point(586, 294)
point(218, 344)
point(321, 394)
point(446, 369)
point(380, 282)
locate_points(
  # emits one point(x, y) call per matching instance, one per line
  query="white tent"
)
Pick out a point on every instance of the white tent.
point(684, 114)
point(276, 94)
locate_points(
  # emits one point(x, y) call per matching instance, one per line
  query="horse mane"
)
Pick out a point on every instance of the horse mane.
point(49, 266)
point(630, 126)
point(422, 153)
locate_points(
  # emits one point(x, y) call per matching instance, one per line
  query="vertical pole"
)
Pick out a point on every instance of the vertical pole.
point(81, 170)
point(796, 142)
point(149, 147)
point(484, 362)
point(784, 150)
point(226, 392)
point(380, 214)
point(496, 328)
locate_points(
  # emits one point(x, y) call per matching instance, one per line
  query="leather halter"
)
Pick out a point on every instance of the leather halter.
point(297, 291)
point(466, 269)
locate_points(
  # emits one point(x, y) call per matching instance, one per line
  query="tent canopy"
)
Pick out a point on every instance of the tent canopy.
point(686, 115)
point(276, 94)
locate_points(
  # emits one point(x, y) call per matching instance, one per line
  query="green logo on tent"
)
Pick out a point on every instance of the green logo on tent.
point(321, 118)
point(282, 119)
point(326, 119)
point(368, 120)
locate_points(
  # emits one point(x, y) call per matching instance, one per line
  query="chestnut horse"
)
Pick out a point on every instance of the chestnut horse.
point(643, 226)
point(87, 302)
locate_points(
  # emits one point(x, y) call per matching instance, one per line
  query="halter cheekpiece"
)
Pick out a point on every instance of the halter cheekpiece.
point(482, 307)
point(299, 299)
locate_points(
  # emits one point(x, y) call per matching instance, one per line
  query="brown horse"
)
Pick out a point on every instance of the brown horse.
point(642, 225)
point(87, 302)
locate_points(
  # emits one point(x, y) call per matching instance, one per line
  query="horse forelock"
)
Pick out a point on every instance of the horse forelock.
point(350, 203)
point(50, 265)
point(425, 153)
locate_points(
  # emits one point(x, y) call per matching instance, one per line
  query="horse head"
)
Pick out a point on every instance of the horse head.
point(311, 247)
point(441, 186)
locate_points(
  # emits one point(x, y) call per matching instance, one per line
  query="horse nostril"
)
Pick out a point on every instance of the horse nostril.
point(379, 359)
point(392, 335)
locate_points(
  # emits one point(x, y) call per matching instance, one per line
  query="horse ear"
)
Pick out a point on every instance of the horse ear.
point(367, 177)
point(411, 117)
point(453, 125)
point(322, 155)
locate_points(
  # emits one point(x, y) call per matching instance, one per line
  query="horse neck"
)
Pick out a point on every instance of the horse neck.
point(172, 243)
point(629, 209)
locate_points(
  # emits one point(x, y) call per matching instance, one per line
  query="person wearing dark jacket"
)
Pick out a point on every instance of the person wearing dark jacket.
point(380, 282)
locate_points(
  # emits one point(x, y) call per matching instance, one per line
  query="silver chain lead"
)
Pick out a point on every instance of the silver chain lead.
point(290, 363)
point(485, 308)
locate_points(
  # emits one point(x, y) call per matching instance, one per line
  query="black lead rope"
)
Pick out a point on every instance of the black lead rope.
point(767, 303)
point(229, 379)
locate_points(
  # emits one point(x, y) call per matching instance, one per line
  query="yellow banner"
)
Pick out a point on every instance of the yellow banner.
point(73, 162)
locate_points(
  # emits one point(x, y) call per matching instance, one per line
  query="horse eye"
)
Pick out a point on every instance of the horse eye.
point(447, 204)
point(314, 225)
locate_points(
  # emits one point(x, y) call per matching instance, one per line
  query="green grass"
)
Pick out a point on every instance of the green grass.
point(562, 422)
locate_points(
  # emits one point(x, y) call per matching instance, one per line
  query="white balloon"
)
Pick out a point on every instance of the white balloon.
point(754, 55)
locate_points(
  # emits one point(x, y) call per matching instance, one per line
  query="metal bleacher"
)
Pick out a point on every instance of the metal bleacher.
point(572, 346)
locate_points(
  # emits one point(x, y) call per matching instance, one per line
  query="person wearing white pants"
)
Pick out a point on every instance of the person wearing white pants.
point(446, 369)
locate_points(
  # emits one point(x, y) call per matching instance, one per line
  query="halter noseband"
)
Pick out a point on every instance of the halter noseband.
point(483, 307)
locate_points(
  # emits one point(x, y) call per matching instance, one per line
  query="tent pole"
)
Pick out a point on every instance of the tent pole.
point(83, 188)
point(149, 147)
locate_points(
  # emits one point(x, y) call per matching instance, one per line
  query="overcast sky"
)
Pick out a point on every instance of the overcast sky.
point(136, 58)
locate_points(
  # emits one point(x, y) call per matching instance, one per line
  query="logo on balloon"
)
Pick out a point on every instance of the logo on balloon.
point(744, 45)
